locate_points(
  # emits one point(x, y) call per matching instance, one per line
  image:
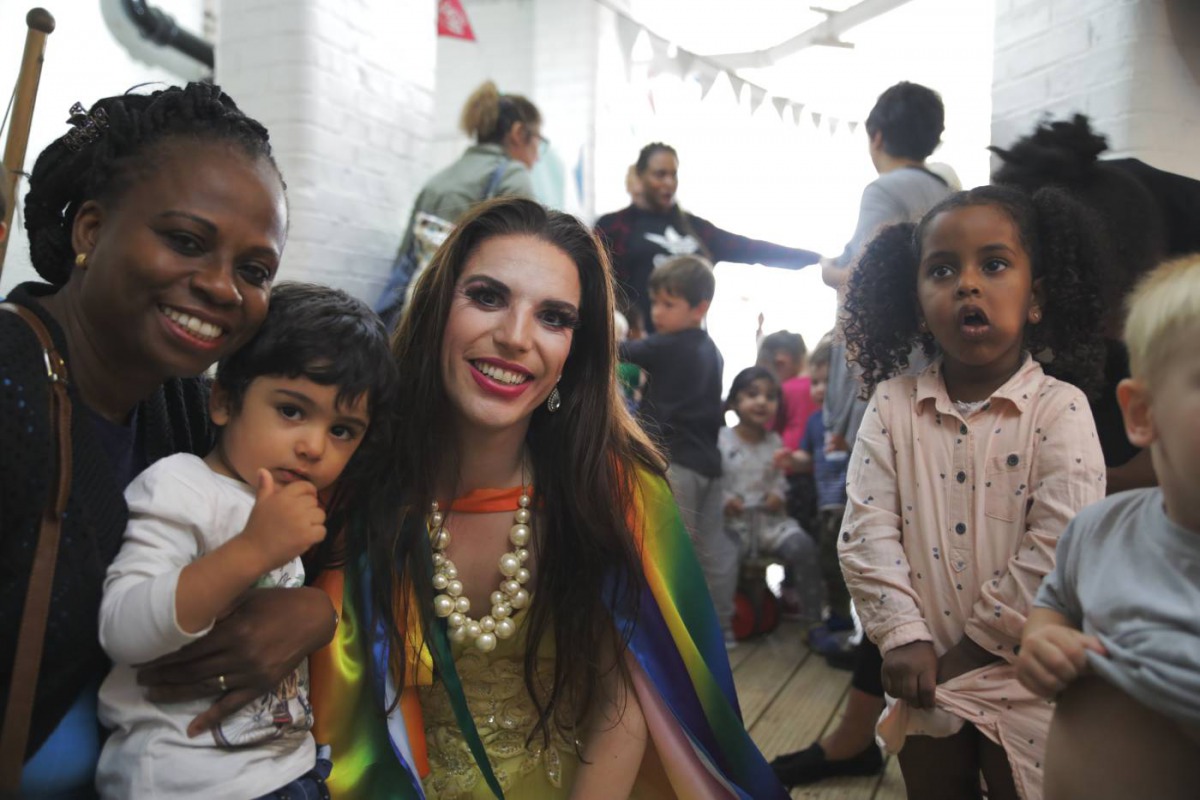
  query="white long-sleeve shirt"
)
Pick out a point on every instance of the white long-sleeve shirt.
point(179, 510)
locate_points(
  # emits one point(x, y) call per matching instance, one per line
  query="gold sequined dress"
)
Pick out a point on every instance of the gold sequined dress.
point(504, 714)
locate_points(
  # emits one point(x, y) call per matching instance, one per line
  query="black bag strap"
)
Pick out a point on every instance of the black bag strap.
point(14, 737)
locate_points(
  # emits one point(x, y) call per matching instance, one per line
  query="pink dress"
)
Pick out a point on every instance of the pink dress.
point(798, 406)
point(950, 527)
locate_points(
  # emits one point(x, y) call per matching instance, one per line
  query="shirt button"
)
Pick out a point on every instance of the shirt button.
point(1013, 459)
point(960, 529)
point(962, 429)
point(962, 477)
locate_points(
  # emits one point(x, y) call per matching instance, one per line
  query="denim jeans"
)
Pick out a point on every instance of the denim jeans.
point(310, 785)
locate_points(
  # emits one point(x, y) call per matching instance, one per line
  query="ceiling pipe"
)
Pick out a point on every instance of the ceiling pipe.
point(827, 34)
point(162, 29)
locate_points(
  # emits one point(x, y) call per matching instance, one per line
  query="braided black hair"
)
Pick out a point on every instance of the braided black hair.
point(1062, 240)
point(66, 175)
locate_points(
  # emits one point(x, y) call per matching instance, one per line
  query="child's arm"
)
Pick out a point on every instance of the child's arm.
point(1053, 652)
point(286, 522)
point(1067, 474)
point(875, 565)
point(139, 617)
point(1053, 648)
point(616, 739)
point(795, 461)
point(166, 516)
point(643, 352)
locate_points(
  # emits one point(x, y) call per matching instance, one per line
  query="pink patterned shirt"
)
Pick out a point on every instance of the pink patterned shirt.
point(950, 527)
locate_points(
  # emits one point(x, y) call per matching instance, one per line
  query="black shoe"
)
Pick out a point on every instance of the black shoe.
point(810, 765)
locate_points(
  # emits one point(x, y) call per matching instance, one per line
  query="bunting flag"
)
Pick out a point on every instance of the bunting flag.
point(757, 96)
point(667, 58)
point(453, 22)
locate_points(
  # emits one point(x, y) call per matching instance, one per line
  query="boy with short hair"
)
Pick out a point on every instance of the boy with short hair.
point(1121, 603)
point(294, 406)
point(682, 408)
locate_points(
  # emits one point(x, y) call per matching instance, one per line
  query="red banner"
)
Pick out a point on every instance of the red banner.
point(453, 22)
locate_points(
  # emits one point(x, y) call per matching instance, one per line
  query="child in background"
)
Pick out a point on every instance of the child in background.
point(629, 376)
point(294, 405)
point(829, 475)
point(963, 478)
point(681, 409)
point(754, 488)
point(783, 353)
point(1115, 625)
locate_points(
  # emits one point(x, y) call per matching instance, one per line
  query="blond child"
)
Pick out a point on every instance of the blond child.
point(1115, 627)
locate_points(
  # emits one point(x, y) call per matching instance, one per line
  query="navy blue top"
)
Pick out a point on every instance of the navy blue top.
point(829, 474)
point(681, 406)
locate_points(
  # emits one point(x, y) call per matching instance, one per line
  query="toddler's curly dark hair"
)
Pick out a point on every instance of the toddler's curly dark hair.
point(1062, 240)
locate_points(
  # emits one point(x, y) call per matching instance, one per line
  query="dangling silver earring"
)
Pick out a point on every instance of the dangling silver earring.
point(554, 401)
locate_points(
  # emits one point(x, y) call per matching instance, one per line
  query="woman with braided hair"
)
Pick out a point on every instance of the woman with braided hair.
point(157, 223)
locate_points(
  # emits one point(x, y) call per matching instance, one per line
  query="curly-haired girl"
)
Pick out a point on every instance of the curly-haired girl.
point(963, 477)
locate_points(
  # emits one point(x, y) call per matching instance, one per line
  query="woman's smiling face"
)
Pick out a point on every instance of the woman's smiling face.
point(509, 331)
point(179, 266)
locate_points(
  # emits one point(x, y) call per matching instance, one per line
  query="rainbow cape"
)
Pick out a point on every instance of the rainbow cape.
point(677, 657)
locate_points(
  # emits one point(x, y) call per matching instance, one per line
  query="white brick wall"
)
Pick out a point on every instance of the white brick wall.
point(565, 45)
point(543, 49)
point(1125, 63)
point(502, 51)
point(346, 89)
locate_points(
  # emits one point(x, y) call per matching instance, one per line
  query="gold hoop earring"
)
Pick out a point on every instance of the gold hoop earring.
point(81, 260)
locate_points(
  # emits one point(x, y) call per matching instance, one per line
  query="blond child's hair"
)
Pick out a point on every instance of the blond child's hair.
point(1163, 307)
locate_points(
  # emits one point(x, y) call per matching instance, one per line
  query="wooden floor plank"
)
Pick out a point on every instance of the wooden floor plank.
point(789, 698)
point(801, 710)
point(743, 651)
point(765, 671)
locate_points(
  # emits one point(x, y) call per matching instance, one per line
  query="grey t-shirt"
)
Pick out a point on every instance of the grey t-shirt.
point(1128, 575)
point(902, 195)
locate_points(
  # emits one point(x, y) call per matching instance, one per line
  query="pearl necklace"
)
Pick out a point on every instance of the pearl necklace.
point(453, 606)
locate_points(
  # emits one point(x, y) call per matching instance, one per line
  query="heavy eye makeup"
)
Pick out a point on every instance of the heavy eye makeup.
point(490, 294)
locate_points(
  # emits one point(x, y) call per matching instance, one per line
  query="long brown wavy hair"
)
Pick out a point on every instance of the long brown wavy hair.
point(585, 460)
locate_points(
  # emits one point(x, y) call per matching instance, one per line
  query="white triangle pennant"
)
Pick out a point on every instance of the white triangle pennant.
point(627, 34)
point(758, 95)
